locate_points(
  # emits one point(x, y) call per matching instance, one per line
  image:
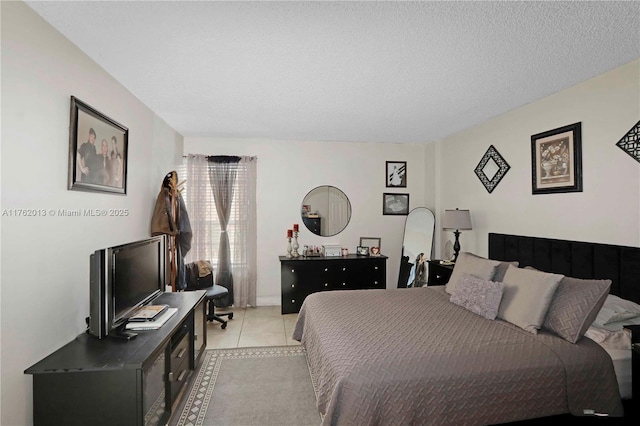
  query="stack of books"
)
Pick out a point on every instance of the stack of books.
point(150, 317)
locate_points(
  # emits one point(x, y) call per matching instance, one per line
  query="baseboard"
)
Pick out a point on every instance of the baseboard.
point(268, 301)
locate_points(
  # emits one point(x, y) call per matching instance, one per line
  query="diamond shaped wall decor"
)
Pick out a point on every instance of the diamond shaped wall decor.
point(491, 169)
point(630, 143)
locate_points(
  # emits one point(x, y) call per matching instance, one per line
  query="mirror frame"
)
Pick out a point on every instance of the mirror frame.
point(503, 167)
point(349, 210)
point(408, 264)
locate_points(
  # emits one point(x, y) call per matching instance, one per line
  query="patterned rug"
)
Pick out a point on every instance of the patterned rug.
point(250, 386)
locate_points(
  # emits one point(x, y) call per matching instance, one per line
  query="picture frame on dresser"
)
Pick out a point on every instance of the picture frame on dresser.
point(98, 147)
point(556, 160)
point(362, 251)
point(370, 242)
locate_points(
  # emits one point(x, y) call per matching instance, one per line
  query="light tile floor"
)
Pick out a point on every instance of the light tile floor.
point(250, 327)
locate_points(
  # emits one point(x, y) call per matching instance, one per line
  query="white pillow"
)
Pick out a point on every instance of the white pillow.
point(616, 309)
point(471, 264)
point(608, 339)
point(526, 297)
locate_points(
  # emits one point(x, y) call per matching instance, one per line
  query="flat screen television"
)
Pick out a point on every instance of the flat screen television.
point(123, 278)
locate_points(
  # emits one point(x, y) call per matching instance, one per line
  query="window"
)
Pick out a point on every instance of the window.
point(198, 197)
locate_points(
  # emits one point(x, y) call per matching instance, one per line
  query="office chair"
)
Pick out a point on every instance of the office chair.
point(214, 291)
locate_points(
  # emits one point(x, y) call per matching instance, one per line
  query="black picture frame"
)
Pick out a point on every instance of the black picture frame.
point(395, 204)
point(89, 169)
point(396, 174)
point(362, 251)
point(556, 160)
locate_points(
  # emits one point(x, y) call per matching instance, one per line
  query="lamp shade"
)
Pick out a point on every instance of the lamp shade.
point(457, 220)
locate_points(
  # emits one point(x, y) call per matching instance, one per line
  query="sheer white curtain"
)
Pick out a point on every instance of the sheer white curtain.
point(241, 227)
point(244, 248)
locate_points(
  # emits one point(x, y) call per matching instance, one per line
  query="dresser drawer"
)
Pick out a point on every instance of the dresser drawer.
point(179, 372)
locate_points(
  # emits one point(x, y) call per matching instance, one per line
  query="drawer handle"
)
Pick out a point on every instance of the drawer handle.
point(293, 270)
point(438, 276)
point(375, 282)
point(326, 269)
point(326, 284)
point(182, 374)
point(375, 267)
point(170, 377)
point(344, 283)
point(293, 300)
point(293, 286)
point(181, 353)
point(344, 268)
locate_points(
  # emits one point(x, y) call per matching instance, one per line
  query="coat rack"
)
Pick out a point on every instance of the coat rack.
point(170, 218)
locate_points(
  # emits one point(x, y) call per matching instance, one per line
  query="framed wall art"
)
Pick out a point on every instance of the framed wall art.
point(396, 176)
point(97, 151)
point(395, 204)
point(491, 169)
point(630, 142)
point(556, 160)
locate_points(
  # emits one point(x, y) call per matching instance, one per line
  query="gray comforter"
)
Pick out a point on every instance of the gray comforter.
point(410, 357)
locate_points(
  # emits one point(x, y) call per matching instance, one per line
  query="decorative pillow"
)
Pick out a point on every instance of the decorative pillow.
point(575, 306)
point(471, 264)
point(616, 309)
point(479, 296)
point(526, 297)
point(501, 269)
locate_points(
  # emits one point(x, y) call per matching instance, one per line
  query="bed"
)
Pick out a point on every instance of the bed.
point(411, 356)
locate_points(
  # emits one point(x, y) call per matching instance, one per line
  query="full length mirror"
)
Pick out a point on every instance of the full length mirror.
point(417, 246)
point(326, 211)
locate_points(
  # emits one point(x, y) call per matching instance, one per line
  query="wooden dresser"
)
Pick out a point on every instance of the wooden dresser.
point(299, 277)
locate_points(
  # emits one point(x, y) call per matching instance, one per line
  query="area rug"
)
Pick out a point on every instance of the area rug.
point(250, 386)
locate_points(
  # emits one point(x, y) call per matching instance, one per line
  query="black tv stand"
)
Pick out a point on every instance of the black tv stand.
point(122, 381)
point(122, 333)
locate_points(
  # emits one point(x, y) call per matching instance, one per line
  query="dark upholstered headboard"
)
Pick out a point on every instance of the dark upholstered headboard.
point(576, 259)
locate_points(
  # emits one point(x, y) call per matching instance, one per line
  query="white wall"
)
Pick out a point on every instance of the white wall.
point(288, 170)
point(45, 260)
point(608, 209)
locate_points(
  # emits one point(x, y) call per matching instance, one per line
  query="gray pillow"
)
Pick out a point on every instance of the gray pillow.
point(501, 269)
point(575, 306)
point(479, 296)
point(471, 264)
point(526, 297)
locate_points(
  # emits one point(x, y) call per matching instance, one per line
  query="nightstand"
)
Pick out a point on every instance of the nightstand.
point(439, 273)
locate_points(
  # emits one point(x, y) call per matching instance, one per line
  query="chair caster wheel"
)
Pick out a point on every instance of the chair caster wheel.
point(231, 316)
point(223, 326)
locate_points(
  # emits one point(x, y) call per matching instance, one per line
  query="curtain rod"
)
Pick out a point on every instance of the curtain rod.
point(223, 156)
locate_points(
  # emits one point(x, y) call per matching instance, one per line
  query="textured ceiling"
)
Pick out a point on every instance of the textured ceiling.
point(345, 71)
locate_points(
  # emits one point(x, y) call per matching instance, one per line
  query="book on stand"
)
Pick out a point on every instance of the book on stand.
point(148, 313)
point(152, 325)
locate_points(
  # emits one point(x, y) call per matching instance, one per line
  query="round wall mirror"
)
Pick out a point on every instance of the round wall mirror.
point(326, 211)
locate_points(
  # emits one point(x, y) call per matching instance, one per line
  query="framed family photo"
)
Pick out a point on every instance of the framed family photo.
point(556, 160)
point(97, 151)
point(396, 174)
point(395, 204)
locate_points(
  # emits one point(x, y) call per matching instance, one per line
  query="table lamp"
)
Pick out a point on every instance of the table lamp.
point(456, 220)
